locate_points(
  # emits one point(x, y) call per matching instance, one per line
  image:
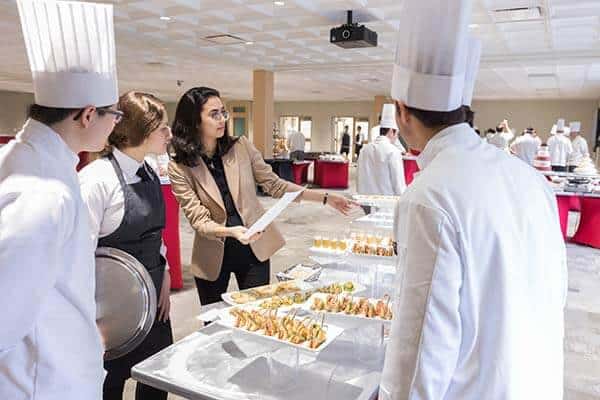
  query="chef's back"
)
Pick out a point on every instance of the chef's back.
point(482, 269)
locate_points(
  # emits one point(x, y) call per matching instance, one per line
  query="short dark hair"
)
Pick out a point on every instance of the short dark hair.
point(469, 115)
point(187, 141)
point(438, 119)
point(384, 131)
point(54, 115)
point(50, 115)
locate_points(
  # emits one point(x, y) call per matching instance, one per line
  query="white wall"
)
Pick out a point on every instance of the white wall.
point(322, 114)
point(540, 114)
point(13, 111)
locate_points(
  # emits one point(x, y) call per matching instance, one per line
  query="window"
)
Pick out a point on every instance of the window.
point(239, 126)
point(306, 129)
point(287, 124)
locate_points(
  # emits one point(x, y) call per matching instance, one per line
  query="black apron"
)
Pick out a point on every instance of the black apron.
point(140, 234)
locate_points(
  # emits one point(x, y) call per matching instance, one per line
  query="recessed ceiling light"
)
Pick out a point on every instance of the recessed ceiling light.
point(279, 3)
point(165, 18)
point(474, 26)
point(249, 42)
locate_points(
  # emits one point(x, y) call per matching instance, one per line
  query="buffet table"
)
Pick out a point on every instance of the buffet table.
point(220, 363)
point(332, 174)
point(282, 167)
point(171, 236)
point(300, 171)
point(588, 231)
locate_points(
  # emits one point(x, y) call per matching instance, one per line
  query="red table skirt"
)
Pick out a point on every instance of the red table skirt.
point(410, 167)
point(5, 139)
point(332, 175)
point(171, 237)
point(588, 232)
point(300, 172)
point(563, 203)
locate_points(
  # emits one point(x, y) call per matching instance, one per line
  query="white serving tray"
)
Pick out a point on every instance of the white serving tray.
point(333, 332)
point(306, 307)
point(372, 259)
point(302, 286)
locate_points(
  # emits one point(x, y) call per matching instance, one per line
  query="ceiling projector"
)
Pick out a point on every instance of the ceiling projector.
point(352, 36)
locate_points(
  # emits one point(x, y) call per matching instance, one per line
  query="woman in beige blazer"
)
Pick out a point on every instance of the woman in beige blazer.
point(214, 178)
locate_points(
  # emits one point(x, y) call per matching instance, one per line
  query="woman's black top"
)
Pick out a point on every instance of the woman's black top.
point(215, 166)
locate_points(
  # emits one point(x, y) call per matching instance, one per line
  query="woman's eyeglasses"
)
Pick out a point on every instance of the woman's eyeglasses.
point(218, 115)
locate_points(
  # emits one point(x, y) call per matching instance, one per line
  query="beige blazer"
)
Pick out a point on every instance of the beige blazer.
point(202, 204)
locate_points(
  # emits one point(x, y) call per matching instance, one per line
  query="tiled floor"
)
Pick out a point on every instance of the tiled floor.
point(301, 221)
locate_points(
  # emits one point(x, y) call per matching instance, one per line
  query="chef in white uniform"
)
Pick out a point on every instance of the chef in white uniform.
point(380, 167)
point(50, 348)
point(580, 146)
point(503, 136)
point(526, 146)
point(559, 146)
point(481, 284)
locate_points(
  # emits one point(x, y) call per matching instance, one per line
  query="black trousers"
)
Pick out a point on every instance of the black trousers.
point(119, 370)
point(558, 168)
point(571, 168)
point(297, 155)
point(241, 261)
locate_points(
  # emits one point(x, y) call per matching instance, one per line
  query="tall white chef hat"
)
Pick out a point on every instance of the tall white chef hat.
point(473, 59)
point(560, 126)
point(71, 51)
point(388, 117)
point(575, 126)
point(431, 55)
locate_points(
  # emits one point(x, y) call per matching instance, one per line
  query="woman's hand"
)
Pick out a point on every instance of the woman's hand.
point(164, 299)
point(239, 232)
point(340, 203)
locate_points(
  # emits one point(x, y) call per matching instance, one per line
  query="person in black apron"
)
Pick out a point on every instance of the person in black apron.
point(140, 235)
point(127, 212)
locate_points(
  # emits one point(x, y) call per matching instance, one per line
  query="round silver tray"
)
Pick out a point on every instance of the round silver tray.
point(125, 301)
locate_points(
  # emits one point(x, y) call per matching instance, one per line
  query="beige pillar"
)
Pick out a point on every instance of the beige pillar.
point(378, 103)
point(263, 110)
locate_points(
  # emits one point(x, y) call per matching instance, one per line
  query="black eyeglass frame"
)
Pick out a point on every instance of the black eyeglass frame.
point(102, 111)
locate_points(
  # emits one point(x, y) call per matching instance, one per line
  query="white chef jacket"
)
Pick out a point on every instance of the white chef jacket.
point(380, 169)
point(296, 141)
point(481, 283)
point(50, 348)
point(580, 150)
point(399, 146)
point(374, 134)
point(501, 139)
point(560, 149)
point(526, 147)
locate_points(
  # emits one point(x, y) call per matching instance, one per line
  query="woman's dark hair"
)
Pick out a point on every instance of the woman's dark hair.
point(186, 141)
point(438, 119)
